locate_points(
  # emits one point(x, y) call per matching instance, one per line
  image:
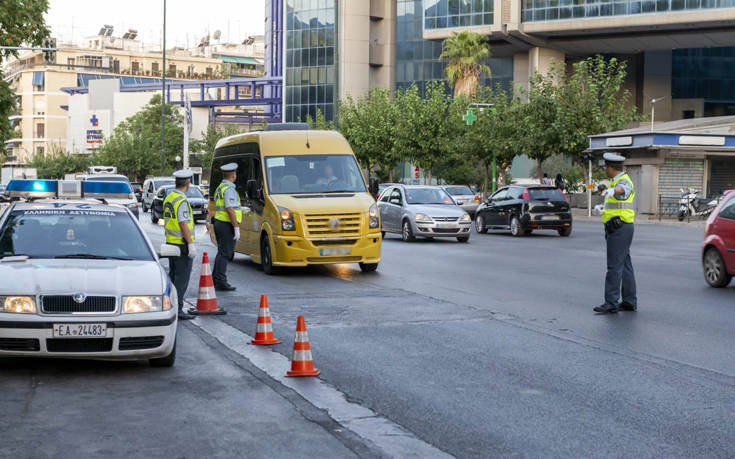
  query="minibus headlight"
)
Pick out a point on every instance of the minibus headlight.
point(287, 220)
point(374, 217)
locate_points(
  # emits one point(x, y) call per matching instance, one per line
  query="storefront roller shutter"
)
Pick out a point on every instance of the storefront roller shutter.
point(722, 175)
point(676, 174)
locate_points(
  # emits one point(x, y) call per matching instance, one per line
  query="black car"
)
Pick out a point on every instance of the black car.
point(137, 190)
point(524, 208)
point(194, 195)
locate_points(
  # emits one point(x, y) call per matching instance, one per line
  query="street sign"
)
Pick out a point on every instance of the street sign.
point(470, 117)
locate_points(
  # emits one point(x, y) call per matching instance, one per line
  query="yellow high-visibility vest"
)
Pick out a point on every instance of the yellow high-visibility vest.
point(620, 208)
point(220, 210)
point(171, 221)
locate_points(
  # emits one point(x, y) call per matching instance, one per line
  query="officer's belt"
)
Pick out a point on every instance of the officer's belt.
point(619, 205)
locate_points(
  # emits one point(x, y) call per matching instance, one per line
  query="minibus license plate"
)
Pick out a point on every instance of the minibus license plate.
point(335, 251)
point(80, 330)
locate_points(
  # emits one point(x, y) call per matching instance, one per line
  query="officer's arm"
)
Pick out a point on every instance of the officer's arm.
point(233, 217)
point(185, 232)
point(619, 190)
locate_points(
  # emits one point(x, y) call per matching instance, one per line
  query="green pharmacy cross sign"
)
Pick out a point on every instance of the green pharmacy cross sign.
point(470, 117)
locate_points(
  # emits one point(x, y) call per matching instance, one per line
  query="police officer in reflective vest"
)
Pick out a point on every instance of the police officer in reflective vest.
point(179, 228)
point(227, 218)
point(618, 216)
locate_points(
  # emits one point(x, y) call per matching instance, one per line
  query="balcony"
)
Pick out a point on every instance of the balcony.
point(377, 55)
point(252, 73)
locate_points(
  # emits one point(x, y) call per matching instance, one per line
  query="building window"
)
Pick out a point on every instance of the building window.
point(70, 63)
point(40, 151)
point(209, 71)
point(705, 73)
point(154, 68)
point(38, 81)
point(172, 70)
point(190, 71)
point(135, 67)
point(552, 10)
point(687, 114)
point(447, 14)
point(40, 130)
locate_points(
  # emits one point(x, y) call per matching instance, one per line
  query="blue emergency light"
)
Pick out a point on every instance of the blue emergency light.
point(68, 189)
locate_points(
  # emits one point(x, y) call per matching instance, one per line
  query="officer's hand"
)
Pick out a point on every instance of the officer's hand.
point(237, 234)
point(609, 193)
point(192, 250)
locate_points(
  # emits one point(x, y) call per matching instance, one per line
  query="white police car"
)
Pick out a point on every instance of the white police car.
point(80, 279)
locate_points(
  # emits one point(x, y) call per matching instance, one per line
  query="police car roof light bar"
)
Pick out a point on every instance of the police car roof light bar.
point(35, 189)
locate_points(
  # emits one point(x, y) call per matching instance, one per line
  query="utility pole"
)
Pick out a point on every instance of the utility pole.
point(163, 92)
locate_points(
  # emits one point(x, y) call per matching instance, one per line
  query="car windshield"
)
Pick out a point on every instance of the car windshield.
point(108, 178)
point(313, 174)
point(193, 192)
point(427, 196)
point(459, 190)
point(159, 183)
point(545, 194)
point(73, 233)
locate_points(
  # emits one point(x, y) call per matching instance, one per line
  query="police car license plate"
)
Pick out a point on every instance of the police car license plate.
point(80, 330)
point(335, 251)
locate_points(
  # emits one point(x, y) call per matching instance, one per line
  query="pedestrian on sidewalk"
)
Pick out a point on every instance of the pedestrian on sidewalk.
point(618, 216)
point(546, 180)
point(227, 218)
point(559, 182)
point(179, 229)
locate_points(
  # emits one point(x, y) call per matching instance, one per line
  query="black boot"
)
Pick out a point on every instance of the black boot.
point(606, 309)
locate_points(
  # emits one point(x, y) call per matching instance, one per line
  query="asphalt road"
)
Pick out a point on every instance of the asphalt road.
point(483, 349)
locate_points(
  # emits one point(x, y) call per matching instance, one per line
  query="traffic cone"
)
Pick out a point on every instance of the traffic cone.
point(207, 301)
point(264, 330)
point(301, 363)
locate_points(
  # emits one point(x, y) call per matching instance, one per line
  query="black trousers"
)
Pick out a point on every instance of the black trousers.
point(179, 271)
point(620, 277)
point(225, 234)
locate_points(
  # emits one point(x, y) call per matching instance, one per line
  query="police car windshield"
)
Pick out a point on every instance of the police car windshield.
point(72, 233)
point(301, 174)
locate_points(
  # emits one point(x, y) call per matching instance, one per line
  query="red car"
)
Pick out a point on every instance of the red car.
point(718, 249)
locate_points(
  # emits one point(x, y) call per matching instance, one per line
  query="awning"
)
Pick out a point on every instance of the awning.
point(38, 78)
point(239, 60)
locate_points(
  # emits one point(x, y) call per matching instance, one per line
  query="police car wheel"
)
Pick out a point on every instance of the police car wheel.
point(167, 361)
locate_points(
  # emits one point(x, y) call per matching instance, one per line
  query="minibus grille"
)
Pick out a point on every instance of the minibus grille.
point(333, 224)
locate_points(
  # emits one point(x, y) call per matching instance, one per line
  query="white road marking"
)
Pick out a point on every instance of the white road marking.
point(393, 439)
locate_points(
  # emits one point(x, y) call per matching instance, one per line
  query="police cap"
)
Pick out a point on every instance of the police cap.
point(183, 174)
point(229, 167)
point(613, 158)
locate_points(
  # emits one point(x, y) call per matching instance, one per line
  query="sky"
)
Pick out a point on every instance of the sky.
point(71, 20)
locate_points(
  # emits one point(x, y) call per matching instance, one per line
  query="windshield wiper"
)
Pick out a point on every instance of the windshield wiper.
point(15, 257)
point(91, 256)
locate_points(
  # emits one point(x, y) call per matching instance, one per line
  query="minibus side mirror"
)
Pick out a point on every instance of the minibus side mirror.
point(252, 189)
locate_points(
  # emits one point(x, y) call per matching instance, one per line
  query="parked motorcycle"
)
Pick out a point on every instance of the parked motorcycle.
point(690, 205)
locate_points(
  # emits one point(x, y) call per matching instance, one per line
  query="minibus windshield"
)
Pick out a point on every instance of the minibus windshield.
point(303, 174)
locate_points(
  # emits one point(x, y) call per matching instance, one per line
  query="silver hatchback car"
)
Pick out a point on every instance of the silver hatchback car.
point(422, 211)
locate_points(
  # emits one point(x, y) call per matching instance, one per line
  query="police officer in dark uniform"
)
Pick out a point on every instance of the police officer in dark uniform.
point(227, 218)
point(618, 217)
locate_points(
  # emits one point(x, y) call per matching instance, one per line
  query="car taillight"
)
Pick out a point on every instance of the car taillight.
point(525, 196)
point(477, 198)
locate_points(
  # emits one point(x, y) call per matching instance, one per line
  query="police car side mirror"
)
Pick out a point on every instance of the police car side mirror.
point(169, 251)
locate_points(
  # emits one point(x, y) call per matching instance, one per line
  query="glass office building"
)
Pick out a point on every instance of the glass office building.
point(447, 14)
point(705, 73)
point(417, 60)
point(311, 58)
point(553, 10)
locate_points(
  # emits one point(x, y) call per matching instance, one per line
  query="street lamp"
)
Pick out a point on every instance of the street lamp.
point(653, 108)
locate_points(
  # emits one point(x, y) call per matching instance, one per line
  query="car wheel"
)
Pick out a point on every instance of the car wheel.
point(480, 224)
point(565, 232)
point(515, 227)
point(145, 209)
point(407, 232)
point(368, 267)
point(266, 257)
point(715, 271)
point(154, 218)
point(463, 238)
point(167, 361)
point(682, 215)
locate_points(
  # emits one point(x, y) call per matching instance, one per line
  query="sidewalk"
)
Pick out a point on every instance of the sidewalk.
point(581, 214)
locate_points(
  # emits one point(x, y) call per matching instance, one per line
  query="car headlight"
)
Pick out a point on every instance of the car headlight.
point(465, 218)
point(287, 221)
point(134, 304)
point(374, 217)
point(423, 218)
point(18, 304)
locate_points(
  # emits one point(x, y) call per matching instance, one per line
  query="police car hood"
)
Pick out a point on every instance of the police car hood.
point(101, 277)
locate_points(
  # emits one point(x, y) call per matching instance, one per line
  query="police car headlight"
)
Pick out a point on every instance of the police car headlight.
point(373, 216)
point(135, 304)
point(18, 304)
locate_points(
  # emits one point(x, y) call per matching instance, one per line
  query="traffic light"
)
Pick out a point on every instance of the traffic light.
point(49, 56)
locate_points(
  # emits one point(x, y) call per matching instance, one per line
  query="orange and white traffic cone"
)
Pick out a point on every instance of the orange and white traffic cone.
point(301, 363)
point(264, 329)
point(207, 301)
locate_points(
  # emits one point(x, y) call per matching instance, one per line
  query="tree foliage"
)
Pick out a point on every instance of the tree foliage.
point(319, 122)
point(57, 165)
point(204, 148)
point(21, 23)
point(464, 54)
point(135, 144)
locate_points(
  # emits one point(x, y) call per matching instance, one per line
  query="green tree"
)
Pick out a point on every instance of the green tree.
point(54, 165)
point(21, 22)
point(539, 136)
point(319, 122)
point(423, 132)
point(135, 144)
point(204, 148)
point(369, 125)
point(464, 54)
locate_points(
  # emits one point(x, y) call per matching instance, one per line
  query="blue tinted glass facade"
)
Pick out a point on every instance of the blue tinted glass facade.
point(417, 60)
point(311, 56)
point(552, 10)
point(445, 14)
point(703, 73)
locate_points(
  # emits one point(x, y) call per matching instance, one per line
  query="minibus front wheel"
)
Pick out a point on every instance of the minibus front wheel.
point(368, 267)
point(266, 256)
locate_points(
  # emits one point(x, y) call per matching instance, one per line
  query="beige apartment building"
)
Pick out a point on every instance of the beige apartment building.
point(41, 117)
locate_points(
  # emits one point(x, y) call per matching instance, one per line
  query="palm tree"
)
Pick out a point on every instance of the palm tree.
point(464, 54)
